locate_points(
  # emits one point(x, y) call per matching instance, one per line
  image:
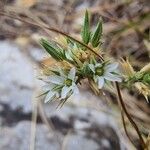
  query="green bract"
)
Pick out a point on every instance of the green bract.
point(96, 37)
point(146, 78)
point(53, 49)
point(85, 33)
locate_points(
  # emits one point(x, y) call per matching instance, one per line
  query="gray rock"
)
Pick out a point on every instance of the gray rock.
point(91, 138)
point(89, 128)
point(37, 54)
point(18, 138)
point(16, 76)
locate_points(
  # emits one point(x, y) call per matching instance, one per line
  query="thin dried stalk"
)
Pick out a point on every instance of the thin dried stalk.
point(129, 117)
point(53, 30)
point(33, 124)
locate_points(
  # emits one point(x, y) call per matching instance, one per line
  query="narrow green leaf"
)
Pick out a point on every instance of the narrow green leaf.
point(85, 33)
point(96, 37)
point(52, 49)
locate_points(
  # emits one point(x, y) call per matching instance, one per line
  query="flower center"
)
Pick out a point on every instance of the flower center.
point(99, 71)
point(68, 82)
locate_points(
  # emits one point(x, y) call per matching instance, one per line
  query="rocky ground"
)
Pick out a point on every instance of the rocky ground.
point(74, 126)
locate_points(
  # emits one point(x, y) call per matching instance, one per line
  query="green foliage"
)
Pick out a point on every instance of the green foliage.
point(85, 33)
point(146, 78)
point(87, 36)
point(85, 71)
point(56, 52)
point(96, 37)
point(138, 76)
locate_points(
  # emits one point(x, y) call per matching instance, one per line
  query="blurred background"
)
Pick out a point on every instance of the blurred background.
point(85, 121)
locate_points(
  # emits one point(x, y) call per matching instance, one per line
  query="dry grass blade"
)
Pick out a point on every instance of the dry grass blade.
point(51, 29)
point(125, 128)
point(33, 123)
point(129, 117)
point(45, 120)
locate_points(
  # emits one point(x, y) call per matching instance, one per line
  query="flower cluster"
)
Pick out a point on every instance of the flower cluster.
point(81, 61)
point(60, 84)
point(77, 63)
point(138, 79)
point(103, 72)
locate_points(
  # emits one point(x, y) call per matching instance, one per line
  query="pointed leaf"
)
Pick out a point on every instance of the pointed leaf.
point(52, 49)
point(96, 37)
point(86, 29)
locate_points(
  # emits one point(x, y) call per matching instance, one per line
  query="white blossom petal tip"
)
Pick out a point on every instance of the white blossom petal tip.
point(75, 90)
point(56, 79)
point(65, 91)
point(72, 74)
point(112, 77)
point(112, 67)
point(92, 67)
point(101, 82)
point(49, 96)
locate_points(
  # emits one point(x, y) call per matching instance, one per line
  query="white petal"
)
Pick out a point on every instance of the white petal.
point(112, 77)
point(56, 79)
point(91, 66)
point(45, 87)
point(48, 87)
point(75, 89)
point(111, 67)
point(100, 82)
point(57, 95)
point(98, 65)
point(49, 96)
point(72, 74)
point(65, 91)
point(62, 74)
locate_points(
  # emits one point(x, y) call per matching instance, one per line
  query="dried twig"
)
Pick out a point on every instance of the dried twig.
point(53, 30)
point(129, 117)
point(45, 120)
point(33, 124)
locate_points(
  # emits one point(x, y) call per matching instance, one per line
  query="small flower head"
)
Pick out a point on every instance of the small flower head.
point(127, 68)
point(51, 93)
point(61, 84)
point(103, 72)
point(139, 79)
point(143, 89)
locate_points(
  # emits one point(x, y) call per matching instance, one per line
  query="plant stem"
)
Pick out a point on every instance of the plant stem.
point(125, 128)
point(129, 117)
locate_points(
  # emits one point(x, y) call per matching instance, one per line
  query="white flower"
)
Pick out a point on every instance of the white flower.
point(65, 83)
point(50, 92)
point(103, 72)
